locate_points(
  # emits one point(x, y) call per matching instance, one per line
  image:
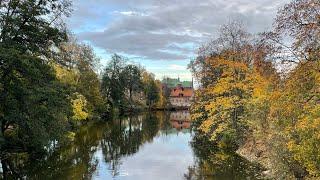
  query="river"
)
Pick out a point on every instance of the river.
point(146, 146)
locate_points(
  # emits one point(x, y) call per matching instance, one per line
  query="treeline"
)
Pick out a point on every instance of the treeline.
point(129, 87)
point(49, 83)
point(263, 90)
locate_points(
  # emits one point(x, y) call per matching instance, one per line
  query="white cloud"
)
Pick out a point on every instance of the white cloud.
point(148, 28)
point(177, 67)
point(130, 13)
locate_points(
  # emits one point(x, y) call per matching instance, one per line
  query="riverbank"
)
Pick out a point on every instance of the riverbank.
point(256, 151)
point(145, 109)
point(261, 152)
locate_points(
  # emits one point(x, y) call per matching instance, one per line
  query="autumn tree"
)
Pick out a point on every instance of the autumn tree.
point(81, 60)
point(241, 87)
point(296, 31)
point(151, 89)
point(294, 111)
point(230, 76)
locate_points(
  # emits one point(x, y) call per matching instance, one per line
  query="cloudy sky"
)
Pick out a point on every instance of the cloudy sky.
point(163, 35)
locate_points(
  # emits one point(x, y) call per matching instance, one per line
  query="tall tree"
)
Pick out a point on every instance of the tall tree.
point(132, 80)
point(33, 26)
point(113, 81)
point(151, 89)
point(299, 20)
point(81, 60)
point(33, 106)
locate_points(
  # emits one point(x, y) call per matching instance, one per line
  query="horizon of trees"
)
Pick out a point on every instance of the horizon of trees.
point(129, 86)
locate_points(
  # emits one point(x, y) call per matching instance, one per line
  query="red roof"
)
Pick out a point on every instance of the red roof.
point(181, 92)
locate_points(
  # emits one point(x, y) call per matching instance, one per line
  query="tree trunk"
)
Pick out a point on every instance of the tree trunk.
point(130, 126)
point(130, 94)
point(3, 127)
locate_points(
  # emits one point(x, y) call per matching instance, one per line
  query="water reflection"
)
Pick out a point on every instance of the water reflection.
point(213, 163)
point(146, 146)
point(180, 120)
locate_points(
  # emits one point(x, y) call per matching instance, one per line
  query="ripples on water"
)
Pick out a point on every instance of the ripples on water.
point(155, 145)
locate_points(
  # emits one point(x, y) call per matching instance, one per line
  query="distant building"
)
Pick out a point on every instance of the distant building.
point(181, 96)
point(180, 92)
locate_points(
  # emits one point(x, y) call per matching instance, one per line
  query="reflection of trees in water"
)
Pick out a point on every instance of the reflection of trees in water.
point(74, 161)
point(214, 163)
point(119, 138)
point(164, 118)
point(126, 136)
point(8, 172)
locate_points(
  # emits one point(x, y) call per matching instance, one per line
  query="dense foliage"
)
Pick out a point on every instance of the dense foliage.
point(49, 83)
point(33, 103)
point(128, 86)
point(243, 95)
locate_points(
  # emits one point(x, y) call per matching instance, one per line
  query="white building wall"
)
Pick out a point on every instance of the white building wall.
point(180, 101)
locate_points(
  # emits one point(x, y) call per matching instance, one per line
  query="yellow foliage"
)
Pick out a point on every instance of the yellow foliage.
point(242, 97)
point(206, 126)
point(70, 135)
point(296, 109)
point(224, 101)
point(66, 76)
point(79, 108)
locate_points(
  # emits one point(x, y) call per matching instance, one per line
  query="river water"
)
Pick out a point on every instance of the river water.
point(147, 146)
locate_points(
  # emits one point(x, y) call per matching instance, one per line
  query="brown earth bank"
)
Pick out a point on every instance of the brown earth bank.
point(258, 151)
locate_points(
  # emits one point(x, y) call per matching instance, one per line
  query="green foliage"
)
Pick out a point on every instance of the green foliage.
point(89, 86)
point(34, 106)
point(123, 84)
point(132, 80)
point(152, 93)
point(76, 70)
point(46, 83)
point(113, 81)
point(32, 26)
point(163, 101)
point(151, 89)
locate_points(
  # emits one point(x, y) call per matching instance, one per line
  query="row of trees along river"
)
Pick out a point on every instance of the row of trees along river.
point(50, 85)
point(258, 96)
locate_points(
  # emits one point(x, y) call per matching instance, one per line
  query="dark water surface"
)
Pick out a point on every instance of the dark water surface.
point(147, 146)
